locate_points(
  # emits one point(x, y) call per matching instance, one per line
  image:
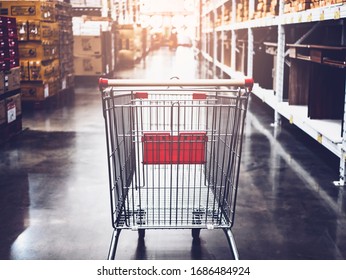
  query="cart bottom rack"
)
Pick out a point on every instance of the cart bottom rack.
point(174, 153)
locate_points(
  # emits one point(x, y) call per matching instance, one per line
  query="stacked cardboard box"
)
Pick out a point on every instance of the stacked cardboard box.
point(297, 6)
point(292, 6)
point(90, 54)
point(42, 27)
point(242, 13)
point(9, 44)
point(265, 8)
point(323, 3)
point(227, 15)
point(66, 66)
point(88, 58)
point(10, 97)
point(94, 46)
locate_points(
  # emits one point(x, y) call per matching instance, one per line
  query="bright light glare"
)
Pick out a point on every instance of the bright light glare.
point(189, 5)
point(178, 21)
point(189, 21)
point(156, 21)
point(167, 21)
point(145, 21)
point(163, 6)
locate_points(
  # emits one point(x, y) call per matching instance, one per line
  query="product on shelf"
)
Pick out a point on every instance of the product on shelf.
point(45, 39)
point(10, 96)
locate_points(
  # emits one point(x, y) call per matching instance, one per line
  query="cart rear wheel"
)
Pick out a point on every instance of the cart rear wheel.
point(195, 233)
point(141, 233)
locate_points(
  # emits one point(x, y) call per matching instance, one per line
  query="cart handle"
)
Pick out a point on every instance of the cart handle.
point(246, 82)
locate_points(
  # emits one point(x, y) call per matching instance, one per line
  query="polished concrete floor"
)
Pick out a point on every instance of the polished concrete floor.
point(54, 199)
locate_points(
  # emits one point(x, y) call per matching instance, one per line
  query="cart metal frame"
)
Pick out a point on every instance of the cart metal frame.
point(173, 152)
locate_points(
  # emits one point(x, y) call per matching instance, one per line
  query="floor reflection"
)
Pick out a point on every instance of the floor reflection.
point(14, 203)
point(54, 196)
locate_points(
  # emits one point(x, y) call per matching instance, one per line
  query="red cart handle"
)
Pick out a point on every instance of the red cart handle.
point(246, 82)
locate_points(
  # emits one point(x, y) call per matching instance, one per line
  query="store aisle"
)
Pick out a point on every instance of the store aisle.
point(54, 200)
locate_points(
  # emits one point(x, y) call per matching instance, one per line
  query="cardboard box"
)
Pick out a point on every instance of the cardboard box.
point(12, 79)
point(39, 30)
point(87, 45)
point(36, 70)
point(24, 70)
point(67, 82)
point(41, 10)
point(38, 91)
point(89, 66)
point(43, 70)
point(22, 30)
point(38, 51)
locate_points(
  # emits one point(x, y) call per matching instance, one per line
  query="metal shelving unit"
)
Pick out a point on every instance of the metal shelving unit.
point(328, 132)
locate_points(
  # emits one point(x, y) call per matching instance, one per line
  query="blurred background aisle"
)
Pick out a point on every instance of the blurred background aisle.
point(54, 198)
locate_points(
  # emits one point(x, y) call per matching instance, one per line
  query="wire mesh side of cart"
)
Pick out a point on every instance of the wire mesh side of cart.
point(174, 156)
point(174, 152)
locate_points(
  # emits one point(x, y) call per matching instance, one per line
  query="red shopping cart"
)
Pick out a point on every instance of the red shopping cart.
point(173, 151)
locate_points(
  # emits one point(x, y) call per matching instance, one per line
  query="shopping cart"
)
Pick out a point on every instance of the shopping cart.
point(174, 153)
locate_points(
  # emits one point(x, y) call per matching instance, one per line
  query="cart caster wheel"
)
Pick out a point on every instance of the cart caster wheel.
point(141, 233)
point(195, 233)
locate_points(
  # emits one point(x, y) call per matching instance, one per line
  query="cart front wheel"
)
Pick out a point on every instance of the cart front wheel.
point(141, 233)
point(195, 233)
